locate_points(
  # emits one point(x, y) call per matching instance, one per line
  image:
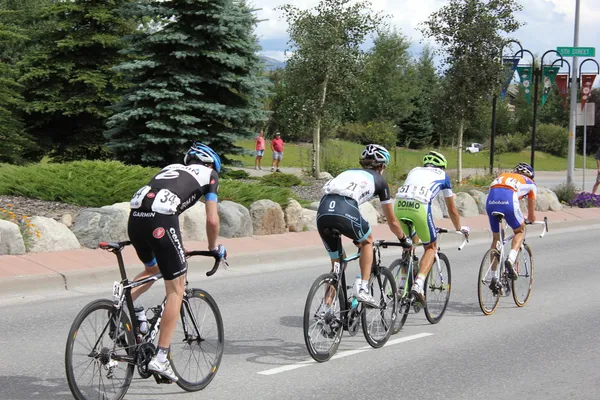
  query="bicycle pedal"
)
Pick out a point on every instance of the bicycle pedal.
point(161, 379)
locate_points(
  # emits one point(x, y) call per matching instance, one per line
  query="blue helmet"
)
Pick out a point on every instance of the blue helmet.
point(204, 154)
point(524, 169)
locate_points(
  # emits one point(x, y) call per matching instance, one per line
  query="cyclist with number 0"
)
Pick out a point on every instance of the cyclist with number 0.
point(339, 210)
point(504, 195)
point(414, 199)
point(153, 229)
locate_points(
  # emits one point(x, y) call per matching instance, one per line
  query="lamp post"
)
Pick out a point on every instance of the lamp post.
point(494, 104)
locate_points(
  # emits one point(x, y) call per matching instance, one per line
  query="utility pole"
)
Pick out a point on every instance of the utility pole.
point(573, 113)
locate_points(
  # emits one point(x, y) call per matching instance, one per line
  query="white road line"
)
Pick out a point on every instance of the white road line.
point(301, 364)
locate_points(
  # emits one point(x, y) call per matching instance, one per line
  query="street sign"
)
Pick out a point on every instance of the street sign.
point(591, 114)
point(577, 51)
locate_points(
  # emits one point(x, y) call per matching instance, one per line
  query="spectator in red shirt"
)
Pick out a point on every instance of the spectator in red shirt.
point(260, 150)
point(277, 148)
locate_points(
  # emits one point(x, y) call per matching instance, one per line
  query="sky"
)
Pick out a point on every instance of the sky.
point(549, 24)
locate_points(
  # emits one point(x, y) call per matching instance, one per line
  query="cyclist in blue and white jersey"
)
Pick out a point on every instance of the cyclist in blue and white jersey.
point(422, 185)
point(339, 209)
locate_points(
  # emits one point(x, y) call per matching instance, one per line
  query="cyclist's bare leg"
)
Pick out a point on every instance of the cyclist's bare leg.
point(518, 239)
point(427, 259)
point(168, 323)
point(148, 271)
point(366, 257)
point(495, 240)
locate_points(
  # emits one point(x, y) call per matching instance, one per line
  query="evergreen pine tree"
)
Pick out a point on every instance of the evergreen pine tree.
point(69, 78)
point(199, 79)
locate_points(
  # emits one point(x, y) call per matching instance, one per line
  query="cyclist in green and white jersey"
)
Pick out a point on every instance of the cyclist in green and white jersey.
point(414, 199)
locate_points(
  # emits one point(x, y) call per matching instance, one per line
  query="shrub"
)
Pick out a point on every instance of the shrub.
point(552, 139)
point(283, 180)
point(249, 192)
point(585, 200)
point(234, 174)
point(28, 230)
point(479, 180)
point(501, 145)
point(565, 192)
point(515, 143)
point(382, 133)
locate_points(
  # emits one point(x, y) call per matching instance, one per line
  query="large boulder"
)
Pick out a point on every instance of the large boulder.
point(11, 240)
point(436, 211)
point(267, 218)
point(192, 222)
point(554, 203)
point(95, 225)
point(325, 176)
point(441, 201)
point(466, 205)
point(294, 218)
point(481, 200)
point(369, 213)
point(377, 205)
point(541, 203)
point(314, 205)
point(310, 220)
point(54, 236)
point(235, 220)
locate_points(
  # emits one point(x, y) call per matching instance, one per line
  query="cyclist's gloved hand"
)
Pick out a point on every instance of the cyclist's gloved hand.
point(406, 242)
point(465, 230)
point(220, 252)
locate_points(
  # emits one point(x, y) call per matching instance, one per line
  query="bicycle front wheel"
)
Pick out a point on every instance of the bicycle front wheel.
point(437, 289)
point(323, 327)
point(403, 304)
point(378, 323)
point(521, 287)
point(487, 292)
point(99, 355)
point(198, 341)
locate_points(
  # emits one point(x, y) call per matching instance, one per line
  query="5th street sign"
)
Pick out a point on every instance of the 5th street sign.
point(576, 51)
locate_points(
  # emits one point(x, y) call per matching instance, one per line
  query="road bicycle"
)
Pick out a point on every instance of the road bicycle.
point(494, 282)
point(331, 306)
point(437, 285)
point(105, 343)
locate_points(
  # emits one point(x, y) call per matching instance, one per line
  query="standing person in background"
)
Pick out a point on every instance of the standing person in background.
point(260, 150)
point(277, 148)
point(597, 176)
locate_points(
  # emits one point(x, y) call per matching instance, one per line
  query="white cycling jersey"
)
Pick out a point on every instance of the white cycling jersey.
point(424, 183)
point(359, 184)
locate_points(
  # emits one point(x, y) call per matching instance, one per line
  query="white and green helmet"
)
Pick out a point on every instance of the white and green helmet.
point(436, 159)
point(377, 153)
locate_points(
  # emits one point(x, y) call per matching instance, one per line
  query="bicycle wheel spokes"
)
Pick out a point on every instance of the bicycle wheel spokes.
point(322, 319)
point(403, 304)
point(487, 288)
point(521, 287)
point(437, 289)
point(197, 345)
point(378, 323)
point(98, 356)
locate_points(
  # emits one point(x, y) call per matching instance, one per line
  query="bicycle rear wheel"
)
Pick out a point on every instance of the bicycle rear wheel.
point(488, 297)
point(378, 323)
point(521, 287)
point(437, 289)
point(197, 344)
point(98, 355)
point(403, 303)
point(323, 327)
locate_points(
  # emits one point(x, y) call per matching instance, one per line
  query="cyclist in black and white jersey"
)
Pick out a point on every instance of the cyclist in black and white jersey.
point(339, 209)
point(154, 232)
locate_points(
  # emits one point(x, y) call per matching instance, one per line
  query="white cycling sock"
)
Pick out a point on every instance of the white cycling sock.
point(162, 354)
point(364, 285)
point(512, 256)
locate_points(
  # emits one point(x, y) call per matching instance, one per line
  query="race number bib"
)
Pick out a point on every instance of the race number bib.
point(415, 192)
point(165, 202)
point(138, 197)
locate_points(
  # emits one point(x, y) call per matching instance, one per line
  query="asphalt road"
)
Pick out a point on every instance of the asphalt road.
point(547, 350)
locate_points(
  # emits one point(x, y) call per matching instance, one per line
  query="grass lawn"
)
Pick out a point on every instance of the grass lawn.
point(299, 155)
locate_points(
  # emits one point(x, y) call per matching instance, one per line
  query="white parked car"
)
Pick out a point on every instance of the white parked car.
point(474, 148)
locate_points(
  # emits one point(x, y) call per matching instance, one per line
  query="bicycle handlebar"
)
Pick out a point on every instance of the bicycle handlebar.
point(465, 236)
point(386, 244)
point(544, 222)
point(206, 253)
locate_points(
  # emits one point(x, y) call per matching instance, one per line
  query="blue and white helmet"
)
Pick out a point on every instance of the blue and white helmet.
point(524, 169)
point(204, 154)
point(377, 153)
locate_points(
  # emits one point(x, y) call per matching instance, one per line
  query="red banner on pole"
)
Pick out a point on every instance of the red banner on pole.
point(562, 81)
point(587, 81)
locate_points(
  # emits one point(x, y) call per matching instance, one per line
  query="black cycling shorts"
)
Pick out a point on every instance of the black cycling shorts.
point(340, 213)
point(157, 237)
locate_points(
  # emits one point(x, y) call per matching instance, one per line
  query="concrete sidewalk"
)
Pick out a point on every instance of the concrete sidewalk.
point(66, 269)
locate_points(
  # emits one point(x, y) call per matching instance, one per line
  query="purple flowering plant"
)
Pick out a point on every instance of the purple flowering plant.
point(585, 200)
